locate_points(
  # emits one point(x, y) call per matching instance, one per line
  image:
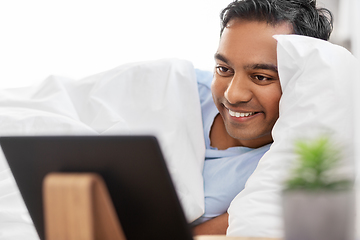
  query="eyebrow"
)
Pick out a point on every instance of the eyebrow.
point(220, 57)
point(266, 66)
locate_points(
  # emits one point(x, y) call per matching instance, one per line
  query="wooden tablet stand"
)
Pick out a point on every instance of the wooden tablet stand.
point(79, 207)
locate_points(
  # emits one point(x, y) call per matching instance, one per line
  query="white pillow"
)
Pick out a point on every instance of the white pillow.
point(155, 97)
point(317, 80)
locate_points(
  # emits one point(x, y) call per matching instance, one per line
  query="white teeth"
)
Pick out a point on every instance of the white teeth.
point(238, 114)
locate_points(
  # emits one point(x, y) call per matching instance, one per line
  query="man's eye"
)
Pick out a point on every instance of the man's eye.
point(261, 78)
point(223, 70)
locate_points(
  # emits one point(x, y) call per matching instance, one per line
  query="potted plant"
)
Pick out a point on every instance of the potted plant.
point(318, 204)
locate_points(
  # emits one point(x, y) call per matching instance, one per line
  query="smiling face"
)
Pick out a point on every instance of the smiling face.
point(246, 87)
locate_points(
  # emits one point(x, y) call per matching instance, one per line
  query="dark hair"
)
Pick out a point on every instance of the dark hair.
point(305, 18)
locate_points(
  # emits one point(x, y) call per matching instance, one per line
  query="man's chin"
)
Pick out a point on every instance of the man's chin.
point(251, 139)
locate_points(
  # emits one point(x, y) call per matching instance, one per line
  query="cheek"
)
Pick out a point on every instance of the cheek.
point(217, 88)
point(271, 100)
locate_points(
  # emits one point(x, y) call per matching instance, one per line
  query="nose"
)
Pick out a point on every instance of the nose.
point(238, 90)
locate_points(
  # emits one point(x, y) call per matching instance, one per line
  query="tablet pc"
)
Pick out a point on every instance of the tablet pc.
point(132, 167)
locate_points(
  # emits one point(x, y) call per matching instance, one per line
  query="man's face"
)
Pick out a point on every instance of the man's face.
point(246, 87)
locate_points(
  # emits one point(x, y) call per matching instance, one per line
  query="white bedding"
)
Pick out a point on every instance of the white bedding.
point(156, 97)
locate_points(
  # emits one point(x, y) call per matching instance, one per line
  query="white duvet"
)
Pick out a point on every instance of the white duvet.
point(157, 97)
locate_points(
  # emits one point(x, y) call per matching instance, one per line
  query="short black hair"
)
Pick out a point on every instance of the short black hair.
point(305, 18)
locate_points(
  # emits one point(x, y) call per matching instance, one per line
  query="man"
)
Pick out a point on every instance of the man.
point(246, 90)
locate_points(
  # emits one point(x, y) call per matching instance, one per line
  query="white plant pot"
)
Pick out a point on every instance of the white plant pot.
point(321, 215)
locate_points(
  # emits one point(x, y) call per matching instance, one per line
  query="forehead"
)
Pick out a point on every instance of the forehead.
point(250, 42)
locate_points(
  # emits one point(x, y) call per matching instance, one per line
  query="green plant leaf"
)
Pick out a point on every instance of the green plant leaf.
point(316, 158)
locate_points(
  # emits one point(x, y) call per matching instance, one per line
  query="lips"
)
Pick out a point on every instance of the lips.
point(240, 114)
